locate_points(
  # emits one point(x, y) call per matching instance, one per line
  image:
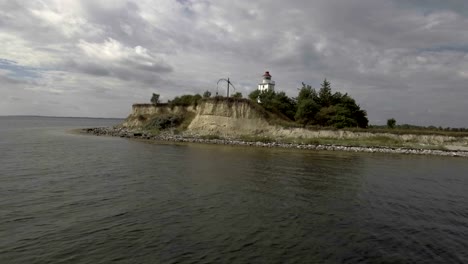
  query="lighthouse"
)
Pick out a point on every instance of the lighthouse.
point(267, 83)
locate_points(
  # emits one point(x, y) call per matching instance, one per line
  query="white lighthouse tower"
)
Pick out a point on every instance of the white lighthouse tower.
point(267, 83)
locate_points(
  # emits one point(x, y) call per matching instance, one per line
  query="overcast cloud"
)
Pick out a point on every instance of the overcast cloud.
point(406, 59)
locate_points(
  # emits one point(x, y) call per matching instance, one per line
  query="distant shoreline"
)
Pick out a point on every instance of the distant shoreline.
point(86, 117)
point(126, 133)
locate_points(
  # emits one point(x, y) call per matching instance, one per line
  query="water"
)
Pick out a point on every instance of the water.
point(68, 198)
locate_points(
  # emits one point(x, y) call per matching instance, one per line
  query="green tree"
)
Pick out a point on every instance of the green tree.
point(207, 94)
point(284, 104)
point(306, 111)
point(186, 100)
point(237, 95)
point(196, 98)
point(325, 116)
point(325, 95)
point(330, 109)
point(343, 117)
point(155, 99)
point(391, 123)
point(275, 102)
point(254, 95)
point(266, 99)
point(307, 105)
point(361, 118)
point(307, 92)
point(311, 107)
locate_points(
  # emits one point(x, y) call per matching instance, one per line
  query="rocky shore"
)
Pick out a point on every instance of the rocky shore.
point(127, 133)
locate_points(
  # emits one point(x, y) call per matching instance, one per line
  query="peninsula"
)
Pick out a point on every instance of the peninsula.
point(314, 120)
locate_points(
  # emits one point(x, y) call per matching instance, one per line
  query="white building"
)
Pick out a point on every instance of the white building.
point(267, 83)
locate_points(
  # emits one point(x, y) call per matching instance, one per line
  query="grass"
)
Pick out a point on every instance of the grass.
point(403, 131)
point(377, 141)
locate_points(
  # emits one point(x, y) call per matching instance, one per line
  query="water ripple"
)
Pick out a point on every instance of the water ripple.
point(78, 199)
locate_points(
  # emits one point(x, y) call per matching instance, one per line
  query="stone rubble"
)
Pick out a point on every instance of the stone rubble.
point(126, 133)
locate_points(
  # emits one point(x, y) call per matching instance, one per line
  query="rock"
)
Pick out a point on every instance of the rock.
point(126, 133)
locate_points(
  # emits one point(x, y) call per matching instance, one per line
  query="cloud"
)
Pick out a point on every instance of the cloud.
point(111, 58)
point(13, 70)
point(401, 59)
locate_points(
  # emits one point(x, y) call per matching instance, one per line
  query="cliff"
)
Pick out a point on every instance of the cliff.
point(229, 118)
point(142, 113)
point(235, 118)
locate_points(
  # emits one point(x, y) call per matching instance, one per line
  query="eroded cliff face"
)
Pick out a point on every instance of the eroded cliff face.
point(228, 119)
point(143, 112)
point(241, 118)
point(212, 117)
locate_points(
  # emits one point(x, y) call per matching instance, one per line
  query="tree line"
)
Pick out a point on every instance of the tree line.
point(310, 107)
point(187, 99)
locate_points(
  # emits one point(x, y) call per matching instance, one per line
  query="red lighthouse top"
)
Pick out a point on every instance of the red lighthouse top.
point(267, 75)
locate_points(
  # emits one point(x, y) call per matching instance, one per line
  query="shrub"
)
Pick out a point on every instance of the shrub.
point(164, 121)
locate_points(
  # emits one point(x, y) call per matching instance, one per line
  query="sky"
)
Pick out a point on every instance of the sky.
point(402, 59)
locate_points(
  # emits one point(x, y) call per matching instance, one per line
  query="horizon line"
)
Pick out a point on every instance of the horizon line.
point(62, 116)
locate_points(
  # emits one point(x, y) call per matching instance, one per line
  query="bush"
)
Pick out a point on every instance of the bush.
point(155, 99)
point(185, 100)
point(207, 94)
point(237, 95)
point(391, 123)
point(164, 122)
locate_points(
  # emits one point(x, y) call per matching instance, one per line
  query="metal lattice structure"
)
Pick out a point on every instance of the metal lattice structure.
point(229, 83)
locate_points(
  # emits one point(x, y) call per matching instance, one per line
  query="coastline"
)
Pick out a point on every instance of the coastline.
point(126, 133)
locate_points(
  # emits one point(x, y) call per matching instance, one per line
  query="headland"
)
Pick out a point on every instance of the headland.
point(235, 121)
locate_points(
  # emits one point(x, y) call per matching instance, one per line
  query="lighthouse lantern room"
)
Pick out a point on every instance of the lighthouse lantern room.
point(267, 83)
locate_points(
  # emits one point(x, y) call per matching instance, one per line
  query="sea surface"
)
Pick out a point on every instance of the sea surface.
point(71, 198)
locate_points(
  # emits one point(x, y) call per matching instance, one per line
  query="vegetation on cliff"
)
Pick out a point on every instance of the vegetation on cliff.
point(222, 117)
point(185, 100)
point(311, 107)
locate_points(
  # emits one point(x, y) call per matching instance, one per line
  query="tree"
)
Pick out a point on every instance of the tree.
point(307, 92)
point(361, 118)
point(324, 94)
point(207, 94)
point(325, 116)
point(275, 102)
point(307, 105)
point(155, 99)
point(266, 99)
point(196, 99)
point(391, 123)
point(237, 95)
point(306, 111)
point(322, 108)
point(285, 105)
point(254, 95)
point(328, 109)
point(186, 100)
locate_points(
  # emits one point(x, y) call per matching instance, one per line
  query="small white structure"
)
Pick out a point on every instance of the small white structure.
point(267, 83)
